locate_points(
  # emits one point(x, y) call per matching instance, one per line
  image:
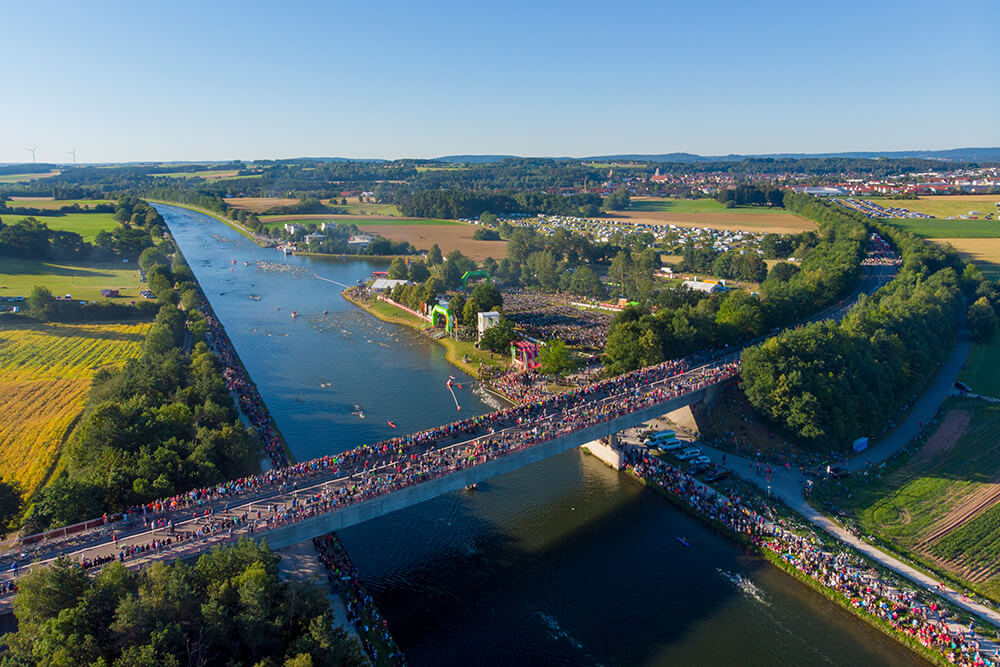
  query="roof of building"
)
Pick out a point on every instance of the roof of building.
point(387, 283)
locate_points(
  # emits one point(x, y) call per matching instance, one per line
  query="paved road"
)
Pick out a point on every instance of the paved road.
point(787, 483)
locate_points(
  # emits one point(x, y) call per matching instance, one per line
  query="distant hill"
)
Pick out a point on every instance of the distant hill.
point(473, 159)
point(956, 154)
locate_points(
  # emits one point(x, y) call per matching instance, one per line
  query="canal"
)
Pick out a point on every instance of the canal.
point(561, 562)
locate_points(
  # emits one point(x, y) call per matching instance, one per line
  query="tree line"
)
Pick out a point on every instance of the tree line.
point(163, 424)
point(685, 322)
point(829, 383)
point(230, 607)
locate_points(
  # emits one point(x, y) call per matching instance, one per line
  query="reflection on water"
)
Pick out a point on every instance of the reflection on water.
point(561, 562)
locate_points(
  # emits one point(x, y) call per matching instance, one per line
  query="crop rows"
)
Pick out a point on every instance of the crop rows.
point(45, 372)
point(977, 542)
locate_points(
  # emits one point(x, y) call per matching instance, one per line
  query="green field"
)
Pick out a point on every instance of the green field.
point(950, 229)
point(944, 206)
point(671, 205)
point(84, 280)
point(369, 209)
point(905, 503)
point(87, 225)
point(49, 203)
point(360, 222)
point(982, 370)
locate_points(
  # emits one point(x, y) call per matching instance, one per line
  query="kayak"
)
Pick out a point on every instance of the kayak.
point(683, 541)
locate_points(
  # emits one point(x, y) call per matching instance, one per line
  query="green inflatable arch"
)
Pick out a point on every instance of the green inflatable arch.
point(473, 274)
point(437, 311)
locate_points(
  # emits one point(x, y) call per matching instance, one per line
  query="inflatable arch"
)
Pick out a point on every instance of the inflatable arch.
point(469, 275)
point(438, 311)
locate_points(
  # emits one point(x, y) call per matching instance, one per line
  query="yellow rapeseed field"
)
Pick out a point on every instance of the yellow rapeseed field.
point(45, 373)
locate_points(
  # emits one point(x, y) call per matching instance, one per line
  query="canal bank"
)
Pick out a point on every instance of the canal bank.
point(456, 351)
point(495, 575)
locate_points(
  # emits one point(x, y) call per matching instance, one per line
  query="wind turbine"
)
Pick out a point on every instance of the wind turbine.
point(32, 152)
point(73, 153)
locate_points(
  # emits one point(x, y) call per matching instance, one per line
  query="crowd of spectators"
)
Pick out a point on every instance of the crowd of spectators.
point(371, 470)
point(520, 387)
point(239, 382)
point(360, 605)
point(848, 575)
point(551, 316)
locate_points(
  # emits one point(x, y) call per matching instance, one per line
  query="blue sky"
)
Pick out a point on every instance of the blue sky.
point(220, 80)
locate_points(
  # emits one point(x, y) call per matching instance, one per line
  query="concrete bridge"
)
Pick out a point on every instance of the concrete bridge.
point(323, 500)
point(312, 506)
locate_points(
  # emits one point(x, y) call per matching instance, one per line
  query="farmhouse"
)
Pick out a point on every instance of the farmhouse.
point(292, 228)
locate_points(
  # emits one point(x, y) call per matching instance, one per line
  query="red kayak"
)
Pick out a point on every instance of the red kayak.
point(391, 424)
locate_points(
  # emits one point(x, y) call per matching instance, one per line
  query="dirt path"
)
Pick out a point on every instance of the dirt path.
point(944, 438)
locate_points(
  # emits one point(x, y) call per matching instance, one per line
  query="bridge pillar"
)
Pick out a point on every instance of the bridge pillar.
point(690, 416)
point(609, 453)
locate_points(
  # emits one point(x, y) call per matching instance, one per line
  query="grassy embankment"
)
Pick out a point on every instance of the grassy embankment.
point(938, 506)
point(455, 351)
point(83, 280)
point(45, 375)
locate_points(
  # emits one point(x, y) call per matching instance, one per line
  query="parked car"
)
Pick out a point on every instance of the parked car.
point(689, 453)
point(717, 475)
point(672, 446)
point(701, 459)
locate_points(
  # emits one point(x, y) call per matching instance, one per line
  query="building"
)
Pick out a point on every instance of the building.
point(701, 286)
point(309, 238)
point(487, 320)
point(384, 284)
point(360, 241)
point(292, 228)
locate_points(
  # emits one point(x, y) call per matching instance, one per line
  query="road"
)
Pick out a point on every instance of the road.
point(787, 483)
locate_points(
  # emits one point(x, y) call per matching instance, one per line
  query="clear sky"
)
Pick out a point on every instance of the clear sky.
point(215, 80)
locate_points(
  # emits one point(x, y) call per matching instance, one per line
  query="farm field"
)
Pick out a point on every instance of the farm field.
point(367, 209)
point(950, 229)
point(983, 252)
point(258, 204)
point(50, 203)
point(710, 213)
point(87, 225)
point(84, 281)
point(943, 206)
point(217, 175)
point(45, 374)
point(942, 504)
point(27, 176)
point(982, 370)
point(353, 207)
point(672, 205)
